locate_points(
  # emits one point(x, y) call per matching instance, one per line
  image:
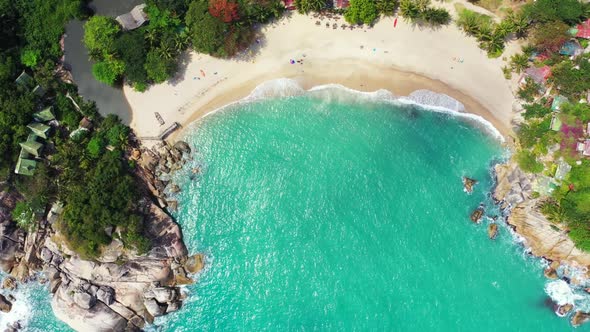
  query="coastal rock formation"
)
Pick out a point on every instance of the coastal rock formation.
point(580, 318)
point(545, 239)
point(468, 184)
point(477, 214)
point(119, 294)
point(564, 309)
point(11, 238)
point(5, 305)
point(493, 231)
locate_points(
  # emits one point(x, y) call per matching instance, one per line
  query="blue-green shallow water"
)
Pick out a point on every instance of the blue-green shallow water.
point(32, 307)
point(349, 215)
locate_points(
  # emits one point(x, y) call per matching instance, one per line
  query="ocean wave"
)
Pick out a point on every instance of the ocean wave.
point(425, 99)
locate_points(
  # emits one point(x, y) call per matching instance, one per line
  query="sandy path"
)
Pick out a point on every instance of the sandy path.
point(401, 59)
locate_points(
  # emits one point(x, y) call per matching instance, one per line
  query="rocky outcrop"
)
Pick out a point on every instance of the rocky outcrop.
point(492, 231)
point(468, 184)
point(476, 215)
point(11, 238)
point(580, 318)
point(545, 239)
point(5, 305)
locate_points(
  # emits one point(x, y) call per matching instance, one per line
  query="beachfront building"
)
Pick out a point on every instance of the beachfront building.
point(557, 102)
point(562, 169)
point(584, 148)
point(571, 48)
point(134, 19)
point(582, 30)
point(556, 123)
point(289, 4)
point(45, 115)
point(25, 80)
point(26, 164)
point(39, 129)
point(341, 4)
point(32, 146)
point(538, 74)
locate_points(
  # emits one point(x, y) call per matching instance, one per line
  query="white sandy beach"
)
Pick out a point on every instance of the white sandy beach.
point(400, 59)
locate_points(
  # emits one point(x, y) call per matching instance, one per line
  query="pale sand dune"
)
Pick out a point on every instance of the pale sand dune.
point(401, 59)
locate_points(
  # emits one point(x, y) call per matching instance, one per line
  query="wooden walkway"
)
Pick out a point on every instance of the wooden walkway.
point(164, 134)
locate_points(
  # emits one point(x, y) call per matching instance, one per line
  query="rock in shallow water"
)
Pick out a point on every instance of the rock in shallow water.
point(195, 263)
point(493, 231)
point(5, 305)
point(580, 318)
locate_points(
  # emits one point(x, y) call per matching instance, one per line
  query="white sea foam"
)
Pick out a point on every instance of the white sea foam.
point(426, 99)
point(21, 309)
point(561, 293)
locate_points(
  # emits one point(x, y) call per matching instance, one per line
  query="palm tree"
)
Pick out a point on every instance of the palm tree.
point(409, 9)
point(495, 44)
point(520, 24)
point(151, 36)
point(484, 33)
point(519, 62)
point(468, 22)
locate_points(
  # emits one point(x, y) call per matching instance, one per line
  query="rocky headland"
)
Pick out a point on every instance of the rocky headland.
point(545, 239)
point(120, 290)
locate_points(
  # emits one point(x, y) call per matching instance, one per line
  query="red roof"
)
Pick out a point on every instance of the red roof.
point(341, 3)
point(289, 4)
point(539, 75)
point(583, 30)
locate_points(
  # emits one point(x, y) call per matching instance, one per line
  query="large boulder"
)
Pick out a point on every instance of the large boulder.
point(9, 283)
point(106, 295)
point(5, 305)
point(84, 300)
point(182, 146)
point(164, 294)
point(580, 318)
point(154, 308)
point(195, 263)
point(99, 318)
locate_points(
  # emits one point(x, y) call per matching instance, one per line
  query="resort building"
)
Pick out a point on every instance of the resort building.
point(24, 80)
point(289, 4)
point(557, 102)
point(582, 30)
point(45, 115)
point(571, 48)
point(25, 165)
point(32, 146)
point(134, 19)
point(39, 129)
point(584, 148)
point(538, 75)
point(562, 169)
point(341, 4)
point(555, 123)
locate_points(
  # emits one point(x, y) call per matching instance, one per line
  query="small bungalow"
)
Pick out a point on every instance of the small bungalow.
point(25, 166)
point(289, 4)
point(584, 148)
point(134, 19)
point(341, 4)
point(582, 30)
point(544, 185)
point(86, 123)
point(39, 129)
point(32, 146)
point(25, 80)
point(44, 115)
point(39, 91)
point(56, 210)
point(562, 169)
point(557, 102)
point(571, 48)
point(539, 75)
point(555, 123)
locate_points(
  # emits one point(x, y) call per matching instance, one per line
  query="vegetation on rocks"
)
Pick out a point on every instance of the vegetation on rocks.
point(95, 185)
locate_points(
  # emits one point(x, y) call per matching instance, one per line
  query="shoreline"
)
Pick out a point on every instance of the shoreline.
point(404, 84)
point(400, 60)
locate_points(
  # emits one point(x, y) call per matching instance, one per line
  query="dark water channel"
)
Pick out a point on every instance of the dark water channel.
point(108, 99)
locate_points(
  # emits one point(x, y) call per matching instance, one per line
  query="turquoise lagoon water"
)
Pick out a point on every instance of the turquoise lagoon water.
point(332, 211)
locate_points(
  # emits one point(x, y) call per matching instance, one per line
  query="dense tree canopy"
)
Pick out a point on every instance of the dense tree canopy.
point(361, 11)
point(99, 35)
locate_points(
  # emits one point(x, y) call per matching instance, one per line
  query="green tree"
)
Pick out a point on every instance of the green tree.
point(436, 16)
point(306, 6)
point(100, 33)
point(519, 62)
point(131, 47)
point(386, 7)
point(569, 11)
point(361, 11)
point(30, 58)
point(159, 68)
point(409, 9)
point(528, 162)
point(95, 147)
point(207, 32)
point(108, 71)
point(550, 36)
point(24, 215)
